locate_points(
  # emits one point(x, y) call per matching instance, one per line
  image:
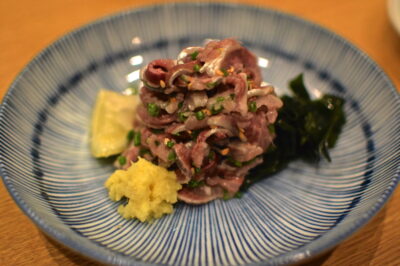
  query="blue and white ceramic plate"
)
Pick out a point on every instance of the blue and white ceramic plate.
point(303, 211)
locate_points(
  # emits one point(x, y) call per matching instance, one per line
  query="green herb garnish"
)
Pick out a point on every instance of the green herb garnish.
point(236, 163)
point(226, 195)
point(172, 156)
point(182, 116)
point(196, 68)
point(184, 78)
point(153, 109)
point(223, 70)
point(238, 194)
point(130, 135)
point(137, 138)
point(252, 107)
point(215, 109)
point(220, 99)
point(193, 55)
point(122, 160)
point(143, 151)
point(194, 183)
point(211, 85)
point(271, 128)
point(197, 170)
point(200, 115)
point(170, 144)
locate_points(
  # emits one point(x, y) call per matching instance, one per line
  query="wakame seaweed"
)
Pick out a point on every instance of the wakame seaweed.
point(305, 129)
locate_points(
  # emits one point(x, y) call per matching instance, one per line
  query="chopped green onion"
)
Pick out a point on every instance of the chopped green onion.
point(172, 156)
point(215, 110)
point(143, 151)
point(194, 55)
point(170, 144)
point(220, 99)
point(223, 70)
point(226, 195)
point(184, 78)
point(250, 161)
point(252, 107)
point(196, 68)
point(200, 115)
point(271, 128)
point(130, 135)
point(238, 194)
point(211, 85)
point(157, 143)
point(137, 138)
point(197, 170)
point(180, 105)
point(237, 163)
point(194, 183)
point(234, 162)
point(122, 160)
point(153, 109)
point(182, 116)
point(232, 95)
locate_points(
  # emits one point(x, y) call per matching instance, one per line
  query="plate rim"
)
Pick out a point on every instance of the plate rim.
point(109, 256)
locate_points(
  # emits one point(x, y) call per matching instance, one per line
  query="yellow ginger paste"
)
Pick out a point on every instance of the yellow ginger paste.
point(150, 190)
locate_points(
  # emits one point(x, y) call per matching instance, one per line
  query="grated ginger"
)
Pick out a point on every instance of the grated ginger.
point(150, 190)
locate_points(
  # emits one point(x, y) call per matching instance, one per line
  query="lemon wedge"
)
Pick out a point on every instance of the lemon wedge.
point(112, 119)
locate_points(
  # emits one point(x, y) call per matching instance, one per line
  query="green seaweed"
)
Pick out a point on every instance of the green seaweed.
point(305, 129)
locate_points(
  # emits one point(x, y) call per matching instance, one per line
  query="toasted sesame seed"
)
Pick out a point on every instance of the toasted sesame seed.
point(207, 112)
point(242, 136)
point(225, 151)
point(219, 72)
point(162, 83)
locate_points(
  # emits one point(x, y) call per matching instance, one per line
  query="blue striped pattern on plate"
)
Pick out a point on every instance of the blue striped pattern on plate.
point(298, 213)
